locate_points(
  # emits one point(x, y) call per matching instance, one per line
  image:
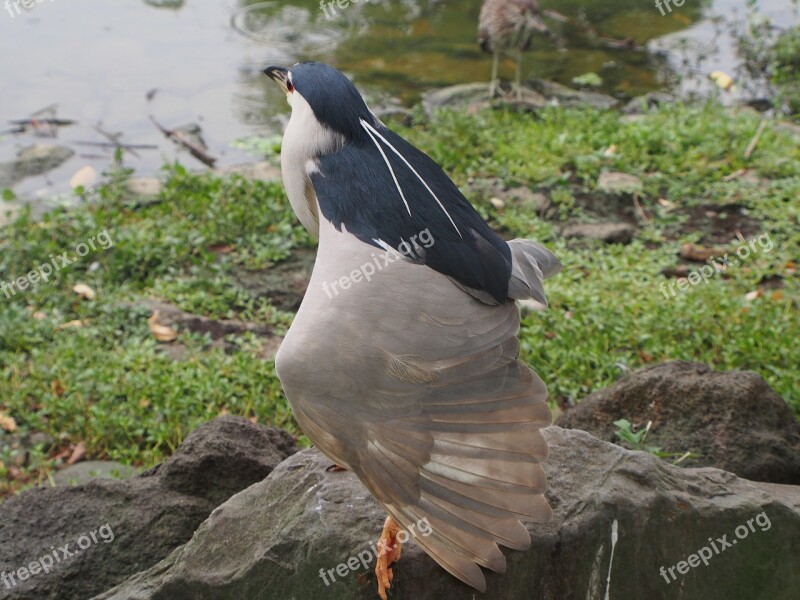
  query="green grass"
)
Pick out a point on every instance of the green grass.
point(108, 385)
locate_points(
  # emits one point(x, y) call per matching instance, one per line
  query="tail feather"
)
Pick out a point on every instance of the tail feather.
point(531, 264)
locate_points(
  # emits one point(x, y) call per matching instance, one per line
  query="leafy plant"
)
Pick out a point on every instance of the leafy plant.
point(636, 439)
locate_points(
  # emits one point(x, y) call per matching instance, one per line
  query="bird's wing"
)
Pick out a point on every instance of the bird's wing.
point(467, 455)
point(415, 196)
point(417, 387)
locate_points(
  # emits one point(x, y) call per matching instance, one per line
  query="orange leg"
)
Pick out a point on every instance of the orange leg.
point(389, 550)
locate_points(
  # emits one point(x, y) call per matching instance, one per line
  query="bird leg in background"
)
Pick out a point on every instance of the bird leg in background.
point(389, 549)
point(519, 75)
point(493, 82)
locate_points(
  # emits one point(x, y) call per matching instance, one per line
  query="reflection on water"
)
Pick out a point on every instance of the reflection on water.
point(186, 61)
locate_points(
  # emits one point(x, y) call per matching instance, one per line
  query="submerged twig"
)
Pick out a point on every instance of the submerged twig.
point(182, 139)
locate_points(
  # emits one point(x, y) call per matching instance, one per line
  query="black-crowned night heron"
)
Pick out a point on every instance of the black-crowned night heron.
point(402, 362)
point(505, 26)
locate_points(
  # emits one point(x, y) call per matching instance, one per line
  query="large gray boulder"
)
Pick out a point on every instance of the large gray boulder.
point(271, 540)
point(729, 420)
point(137, 522)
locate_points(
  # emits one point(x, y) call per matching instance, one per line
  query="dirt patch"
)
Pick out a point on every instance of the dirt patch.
point(285, 283)
point(717, 224)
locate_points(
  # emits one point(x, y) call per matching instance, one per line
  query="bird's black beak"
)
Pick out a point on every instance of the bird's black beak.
point(279, 75)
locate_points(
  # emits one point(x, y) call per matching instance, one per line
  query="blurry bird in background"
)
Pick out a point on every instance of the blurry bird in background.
point(411, 377)
point(505, 26)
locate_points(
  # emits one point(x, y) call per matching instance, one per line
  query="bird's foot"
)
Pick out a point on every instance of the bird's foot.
point(389, 550)
point(335, 469)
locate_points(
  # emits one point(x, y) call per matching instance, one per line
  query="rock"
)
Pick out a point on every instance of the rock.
point(271, 540)
point(643, 104)
point(261, 171)
point(83, 472)
point(144, 187)
point(619, 183)
point(732, 420)
point(611, 233)
point(149, 515)
point(85, 177)
point(494, 189)
point(7, 178)
point(169, 316)
point(226, 452)
point(33, 160)
point(394, 112)
point(566, 96)
point(474, 96)
point(218, 330)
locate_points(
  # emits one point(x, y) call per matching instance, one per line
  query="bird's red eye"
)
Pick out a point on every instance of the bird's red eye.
point(289, 86)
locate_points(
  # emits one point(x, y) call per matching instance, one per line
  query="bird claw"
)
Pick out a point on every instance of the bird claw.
point(389, 550)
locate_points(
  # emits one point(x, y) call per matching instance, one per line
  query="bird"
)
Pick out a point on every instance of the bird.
point(402, 362)
point(506, 25)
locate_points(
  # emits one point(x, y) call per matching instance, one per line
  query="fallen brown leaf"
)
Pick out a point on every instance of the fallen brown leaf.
point(57, 388)
point(71, 324)
point(78, 454)
point(84, 291)
point(8, 423)
point(698, 253)
point(161, 332)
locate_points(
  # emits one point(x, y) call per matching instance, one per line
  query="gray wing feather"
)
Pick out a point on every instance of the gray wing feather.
point(417, 388)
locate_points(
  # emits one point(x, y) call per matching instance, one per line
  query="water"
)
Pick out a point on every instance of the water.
point(98, 60)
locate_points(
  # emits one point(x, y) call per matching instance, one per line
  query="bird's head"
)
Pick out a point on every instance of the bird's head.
point(322, 97)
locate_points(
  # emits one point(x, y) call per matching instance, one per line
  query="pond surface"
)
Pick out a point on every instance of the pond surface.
point(116, 62)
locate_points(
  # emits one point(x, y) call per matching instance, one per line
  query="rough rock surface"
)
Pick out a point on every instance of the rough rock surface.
point(732, 420)
point(611, 233)
point(271, 540)
point(149, 515)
